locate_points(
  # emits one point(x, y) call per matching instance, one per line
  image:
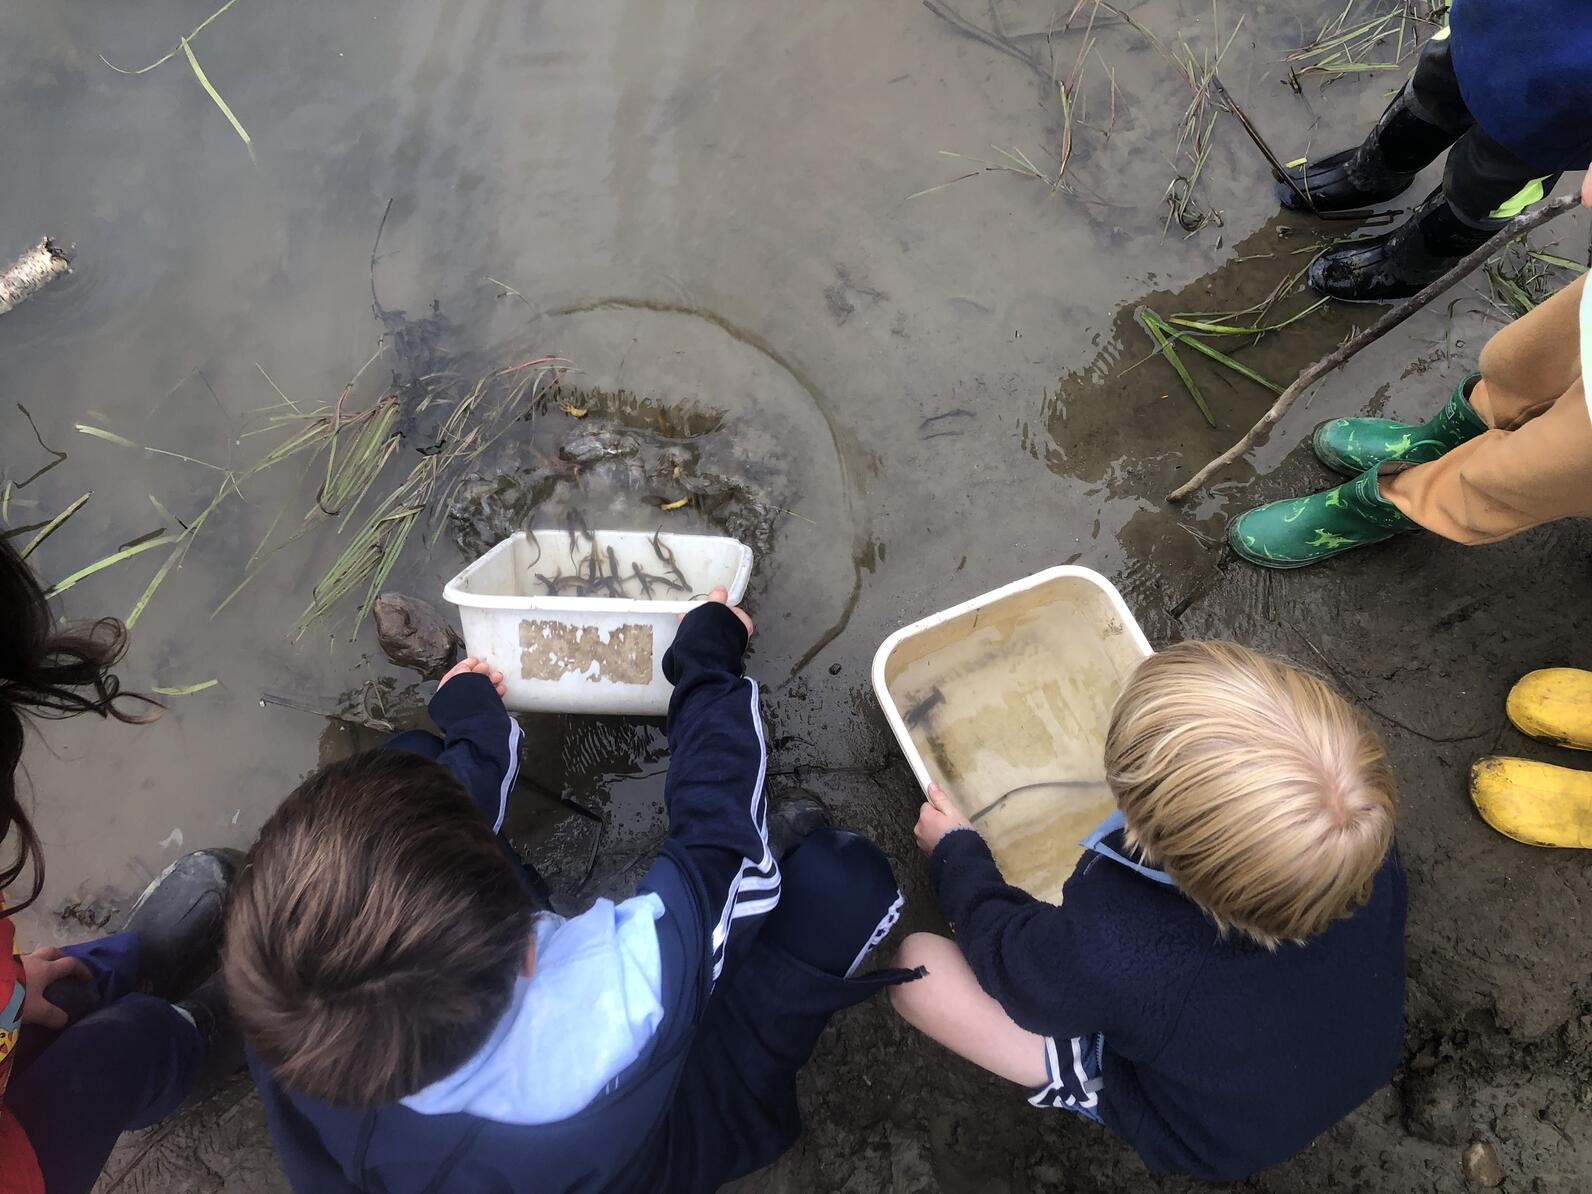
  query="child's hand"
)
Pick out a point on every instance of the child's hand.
point(722, 596)
point(936, 818)
point(472, 664)
point(1586, 188)
point(39, 969)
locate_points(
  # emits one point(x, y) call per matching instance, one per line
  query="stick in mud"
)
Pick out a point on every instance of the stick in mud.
point(1518, 226)
point(31, 273)
point(1278, 170)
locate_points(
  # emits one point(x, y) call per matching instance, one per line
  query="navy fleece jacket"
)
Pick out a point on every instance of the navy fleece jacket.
point(716, 880)
point(1220, 1057)
point(1525, 70)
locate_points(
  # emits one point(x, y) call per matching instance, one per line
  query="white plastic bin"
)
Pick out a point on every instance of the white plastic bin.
point(1004, 701)
point(574, 653)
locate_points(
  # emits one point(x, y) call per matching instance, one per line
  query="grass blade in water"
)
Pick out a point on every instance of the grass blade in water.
point(186, 689)
point(1224, 329)
point(1562, 262)
point(126, 553)
point(172, 53)
point(122, 441)
point(198, 73)
point(184, 542)
point(1142, 315)
point(51, 526)
point(1221, 358)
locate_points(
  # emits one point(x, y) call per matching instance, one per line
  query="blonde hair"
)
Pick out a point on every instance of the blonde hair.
point(1256, 787)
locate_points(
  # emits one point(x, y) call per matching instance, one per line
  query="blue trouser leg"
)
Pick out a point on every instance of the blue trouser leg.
point(1480, 175)
point(839, 899)
point(736, 1109)
point(127, 1065)
point(423, 742)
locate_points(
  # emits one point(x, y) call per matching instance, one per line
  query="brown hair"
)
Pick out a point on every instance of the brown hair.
point(51, 672)
point(375, 934)
point(1255, 786)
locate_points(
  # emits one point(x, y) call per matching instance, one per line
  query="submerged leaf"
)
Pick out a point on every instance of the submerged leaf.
point(186, 689)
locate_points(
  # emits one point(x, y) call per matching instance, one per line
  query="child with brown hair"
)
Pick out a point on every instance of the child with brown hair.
point(1224, 977)
point(417, 1024)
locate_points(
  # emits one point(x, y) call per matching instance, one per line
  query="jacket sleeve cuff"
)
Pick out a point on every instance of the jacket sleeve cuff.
point(710, 638)
point(961, 848)
point(464, 696)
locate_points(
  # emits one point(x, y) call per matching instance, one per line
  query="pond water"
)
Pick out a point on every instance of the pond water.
point(709, 208)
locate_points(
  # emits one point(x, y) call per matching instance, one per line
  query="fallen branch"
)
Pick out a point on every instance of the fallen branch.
point(1518, 226)
point(32, 272)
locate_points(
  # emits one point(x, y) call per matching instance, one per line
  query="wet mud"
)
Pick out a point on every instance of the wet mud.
point(900, 402)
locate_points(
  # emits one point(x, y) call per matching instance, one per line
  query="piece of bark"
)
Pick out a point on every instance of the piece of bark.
point(31, 273)
point(414, 635)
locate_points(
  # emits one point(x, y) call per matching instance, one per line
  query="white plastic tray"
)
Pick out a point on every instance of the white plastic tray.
point(587, 654)
point(1103, 644)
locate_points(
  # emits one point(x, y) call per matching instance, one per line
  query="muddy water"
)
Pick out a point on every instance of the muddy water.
point(701, 203)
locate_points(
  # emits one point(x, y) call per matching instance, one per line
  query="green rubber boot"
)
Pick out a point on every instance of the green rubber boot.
point(1350, 446)
point(1299, 531)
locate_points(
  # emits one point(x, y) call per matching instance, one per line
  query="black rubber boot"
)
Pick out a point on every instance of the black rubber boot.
point(206, 1005)
point(1401, 145)
point(1400, 263)
point(179, 920)
point(791, 819)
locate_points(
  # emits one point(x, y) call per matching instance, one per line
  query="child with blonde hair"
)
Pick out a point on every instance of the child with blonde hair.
point(1224, 978)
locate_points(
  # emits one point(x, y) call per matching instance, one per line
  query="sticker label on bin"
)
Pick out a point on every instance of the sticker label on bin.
point(551, 650)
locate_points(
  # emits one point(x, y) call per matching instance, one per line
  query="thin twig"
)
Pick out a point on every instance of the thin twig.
point(1278, 170)
point(994, 40)
point(1518, 226)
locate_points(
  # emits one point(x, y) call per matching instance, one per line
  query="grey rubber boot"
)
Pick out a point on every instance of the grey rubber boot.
point(792, 818)
point(179, 921)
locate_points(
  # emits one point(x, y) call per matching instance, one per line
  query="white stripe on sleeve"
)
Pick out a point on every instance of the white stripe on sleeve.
point(755, 890)
point(509, 776)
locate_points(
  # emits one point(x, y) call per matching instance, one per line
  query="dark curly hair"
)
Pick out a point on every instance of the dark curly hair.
point(46, 670)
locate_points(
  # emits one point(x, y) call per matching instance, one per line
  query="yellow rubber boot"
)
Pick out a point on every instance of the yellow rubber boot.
point(1536, 803)
point(1554, 704)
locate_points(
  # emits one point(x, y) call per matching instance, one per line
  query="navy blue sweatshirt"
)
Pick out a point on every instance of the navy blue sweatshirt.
point(1525, 70)
point(716, 879)
point(1220, 1057)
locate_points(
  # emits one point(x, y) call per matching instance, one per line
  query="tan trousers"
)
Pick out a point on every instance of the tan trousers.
point(1535, 465)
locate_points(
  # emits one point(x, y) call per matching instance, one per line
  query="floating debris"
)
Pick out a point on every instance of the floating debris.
point(31, 273)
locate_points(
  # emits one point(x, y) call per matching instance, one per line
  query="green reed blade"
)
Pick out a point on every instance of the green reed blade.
point(54, 524)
